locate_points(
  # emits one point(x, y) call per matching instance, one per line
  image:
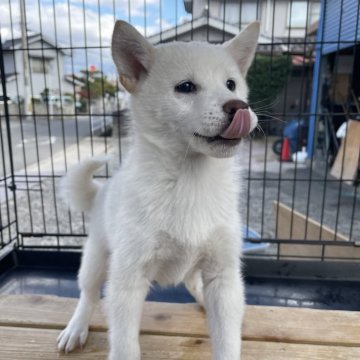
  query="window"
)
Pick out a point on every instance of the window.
point(40, 65)
point(248, 12)
point(315, 13)
point(232, 13)
point(297, 14)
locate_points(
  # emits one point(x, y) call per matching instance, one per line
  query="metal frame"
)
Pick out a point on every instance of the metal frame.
point(38, 234)
point(253, 267)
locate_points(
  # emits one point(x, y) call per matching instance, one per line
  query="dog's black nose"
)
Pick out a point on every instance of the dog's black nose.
point(232, 106)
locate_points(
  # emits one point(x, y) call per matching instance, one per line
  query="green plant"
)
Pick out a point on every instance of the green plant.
point(35, 100)
point(96, 85)
point(45, 94)
point(69, 95)
point(267, 78)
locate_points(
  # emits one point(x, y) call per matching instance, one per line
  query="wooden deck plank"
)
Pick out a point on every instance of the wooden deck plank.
point(40, 344)
point(346, 164)
point(261, 322)
point(54, 312)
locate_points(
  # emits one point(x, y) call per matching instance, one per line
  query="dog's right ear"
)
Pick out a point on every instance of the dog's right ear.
point(132, 54)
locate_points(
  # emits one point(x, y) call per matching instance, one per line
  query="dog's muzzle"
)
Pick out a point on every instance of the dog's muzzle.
point(240, 118)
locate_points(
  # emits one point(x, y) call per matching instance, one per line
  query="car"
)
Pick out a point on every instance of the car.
point(102, 125)
point(2, 98)
point(60, 101)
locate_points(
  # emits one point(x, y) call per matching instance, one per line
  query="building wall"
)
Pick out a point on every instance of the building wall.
point(266, 12)
point(341, 23)
point(14, 86)
point(53, 79)
point(279, 10)
point(9, 62)
point(204, 34)
point(339, 29)
point(67, 88)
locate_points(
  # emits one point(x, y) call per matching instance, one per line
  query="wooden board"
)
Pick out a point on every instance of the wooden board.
point(339, 89)
point(350, 253)
point(346, 165)
point(261, 323)
point(39, 344)
point(292, 224)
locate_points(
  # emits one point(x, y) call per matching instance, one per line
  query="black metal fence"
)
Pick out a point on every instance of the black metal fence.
point(61, 103)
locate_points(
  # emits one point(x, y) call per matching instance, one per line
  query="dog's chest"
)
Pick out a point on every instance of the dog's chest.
point(195, 206)
point(172, 260)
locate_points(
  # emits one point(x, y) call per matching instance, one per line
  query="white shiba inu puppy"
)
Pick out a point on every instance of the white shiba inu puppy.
point(171, 213)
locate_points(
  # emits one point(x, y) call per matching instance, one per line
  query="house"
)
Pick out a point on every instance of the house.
point(337, 67)
point(284, 30)
point(46, 67)
point(220, 20)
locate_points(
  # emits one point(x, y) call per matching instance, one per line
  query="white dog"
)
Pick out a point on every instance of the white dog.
point(170, 214)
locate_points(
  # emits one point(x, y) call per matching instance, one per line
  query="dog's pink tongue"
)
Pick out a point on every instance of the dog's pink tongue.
point(239, 126)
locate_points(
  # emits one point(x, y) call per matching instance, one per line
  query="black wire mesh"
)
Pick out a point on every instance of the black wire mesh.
point(61, 103)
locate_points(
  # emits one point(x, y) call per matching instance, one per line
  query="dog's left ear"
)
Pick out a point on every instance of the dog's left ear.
point(132, 54)
point(243, 46)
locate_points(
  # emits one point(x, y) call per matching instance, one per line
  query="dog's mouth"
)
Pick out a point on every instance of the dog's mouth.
point(217, 139)
point(239, 127)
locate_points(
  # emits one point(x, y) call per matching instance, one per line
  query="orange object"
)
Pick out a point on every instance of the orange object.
point(285, 150)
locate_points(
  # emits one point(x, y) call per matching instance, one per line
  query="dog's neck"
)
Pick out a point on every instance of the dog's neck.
point(174, 156)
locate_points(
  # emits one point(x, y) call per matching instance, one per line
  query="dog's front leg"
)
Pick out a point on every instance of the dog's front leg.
point(126, 294)
point(224, 302)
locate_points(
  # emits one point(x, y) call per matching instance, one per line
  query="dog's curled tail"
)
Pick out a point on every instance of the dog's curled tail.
point(78, 188)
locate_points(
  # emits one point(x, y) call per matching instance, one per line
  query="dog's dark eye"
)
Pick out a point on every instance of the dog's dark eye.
point(186, 87)
point(230, 84)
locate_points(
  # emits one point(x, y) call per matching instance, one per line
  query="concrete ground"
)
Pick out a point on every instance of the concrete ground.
point(41, 210)
point(308, 188)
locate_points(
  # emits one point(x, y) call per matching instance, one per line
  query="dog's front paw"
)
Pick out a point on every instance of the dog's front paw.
point(75, 334)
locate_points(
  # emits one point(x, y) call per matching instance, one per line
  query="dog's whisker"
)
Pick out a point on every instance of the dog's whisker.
point(261, 101)
point(271, 118)
point(276, 100)
point(186, 152)
point(258, 126)
point(265, 106)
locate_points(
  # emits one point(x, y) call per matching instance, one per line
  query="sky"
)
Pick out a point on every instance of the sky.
point(80, 23)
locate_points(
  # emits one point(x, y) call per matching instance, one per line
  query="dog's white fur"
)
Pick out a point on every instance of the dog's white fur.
point(170, 214)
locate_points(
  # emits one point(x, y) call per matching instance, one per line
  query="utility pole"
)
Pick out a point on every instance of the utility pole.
point(24, 44)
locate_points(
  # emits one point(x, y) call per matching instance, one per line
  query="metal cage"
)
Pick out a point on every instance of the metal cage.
point(61, 103)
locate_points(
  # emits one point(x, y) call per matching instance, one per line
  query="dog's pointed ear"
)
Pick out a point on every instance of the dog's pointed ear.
point(132, 54)
point(243, 46)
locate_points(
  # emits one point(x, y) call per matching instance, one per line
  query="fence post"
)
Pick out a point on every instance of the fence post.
point(8, 135)
point(316, 86)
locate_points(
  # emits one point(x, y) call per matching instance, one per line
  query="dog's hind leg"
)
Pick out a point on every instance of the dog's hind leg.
point(90, 279)
point(195, 286)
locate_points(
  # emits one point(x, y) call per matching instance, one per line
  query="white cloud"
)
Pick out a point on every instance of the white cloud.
point(88, 28)
point(136, 7)
point(84, 23)
point(153, 29)
point(184, 19)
